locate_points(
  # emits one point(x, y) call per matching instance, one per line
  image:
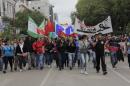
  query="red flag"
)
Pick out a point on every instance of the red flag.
point(61, 34)
point(40, 31)
point(49, 27)
point(74, 35)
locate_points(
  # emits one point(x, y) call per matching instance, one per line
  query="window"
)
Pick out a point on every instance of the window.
point(38, 7)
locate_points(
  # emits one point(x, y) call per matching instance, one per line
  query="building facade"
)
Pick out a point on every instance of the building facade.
point(43, 6)
point(7, 8)
point(20, 4)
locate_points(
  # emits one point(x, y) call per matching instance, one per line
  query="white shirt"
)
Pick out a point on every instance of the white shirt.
point(83, 44)
point(21, 46)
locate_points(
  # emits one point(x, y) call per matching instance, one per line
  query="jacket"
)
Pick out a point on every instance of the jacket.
point(18, 49)
point(38, 47)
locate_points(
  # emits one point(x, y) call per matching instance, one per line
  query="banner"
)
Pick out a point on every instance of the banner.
point(103, 27)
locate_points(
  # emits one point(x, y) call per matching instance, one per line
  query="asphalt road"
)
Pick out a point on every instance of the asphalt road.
point(54, 77)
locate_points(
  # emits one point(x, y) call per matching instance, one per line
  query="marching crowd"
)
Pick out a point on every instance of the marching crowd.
point(28, 53)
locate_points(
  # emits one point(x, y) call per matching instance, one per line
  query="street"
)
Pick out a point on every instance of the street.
point(54, 77)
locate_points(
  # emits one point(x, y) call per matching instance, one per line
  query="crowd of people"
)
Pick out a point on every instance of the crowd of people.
point(28, 53)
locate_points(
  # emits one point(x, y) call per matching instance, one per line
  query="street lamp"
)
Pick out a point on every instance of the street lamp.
point(14, 12)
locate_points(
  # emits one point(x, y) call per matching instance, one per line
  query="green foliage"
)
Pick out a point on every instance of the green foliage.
point(95, 11)
point(8, 32)
point(128, 28)
point(73, 14)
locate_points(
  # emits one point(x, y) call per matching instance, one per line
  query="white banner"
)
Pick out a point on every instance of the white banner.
point(103, 27)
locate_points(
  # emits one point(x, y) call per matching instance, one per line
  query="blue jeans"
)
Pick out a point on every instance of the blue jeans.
point(114, 60)
point(49, 58)
point(76, 55)
point(62, 57)
point(39, 60)
point(84, 60)
point(71, 59)
point(93, 57)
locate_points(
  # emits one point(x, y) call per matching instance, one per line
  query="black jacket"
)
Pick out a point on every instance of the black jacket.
point(49, 47)
point(61, 46)
point(99, 48)
point(18, 49)
point(29, 44)
point(71, 48)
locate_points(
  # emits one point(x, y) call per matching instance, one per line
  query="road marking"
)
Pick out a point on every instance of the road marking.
point(46, 78)
point(120, 75)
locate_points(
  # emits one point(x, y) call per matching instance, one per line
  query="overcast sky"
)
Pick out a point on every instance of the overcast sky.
point(64, 8)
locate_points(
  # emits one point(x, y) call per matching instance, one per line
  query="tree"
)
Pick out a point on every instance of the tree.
point(73, 15)
point(95, 11)
point(128, 28)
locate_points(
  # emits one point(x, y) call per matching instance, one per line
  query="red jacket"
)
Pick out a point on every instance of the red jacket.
point(38, 47)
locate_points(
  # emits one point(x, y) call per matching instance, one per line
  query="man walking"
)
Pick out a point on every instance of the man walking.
point(99, 49)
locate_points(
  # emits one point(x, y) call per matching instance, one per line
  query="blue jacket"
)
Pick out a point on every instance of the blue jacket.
point(8, 51)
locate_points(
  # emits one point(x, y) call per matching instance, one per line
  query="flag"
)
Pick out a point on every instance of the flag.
point(74, 35)
point(49, 27)
point(32, 28)
point(69, 30)
point(41, 28)
point(58, 28)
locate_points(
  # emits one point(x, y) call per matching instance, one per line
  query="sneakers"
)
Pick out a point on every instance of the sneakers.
point(70, 68)
point(29, 68)
point(105, 73)
point(84, 72)
point(41, 68)
point(98, 71)
point(15, 69)
point(4, 72)
point(20, 70)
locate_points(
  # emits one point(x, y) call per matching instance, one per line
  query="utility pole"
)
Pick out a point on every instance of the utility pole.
point(51, 12)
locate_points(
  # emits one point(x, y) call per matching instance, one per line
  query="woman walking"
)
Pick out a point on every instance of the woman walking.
point(22, 54)
point(83, 48)
point(71, 48)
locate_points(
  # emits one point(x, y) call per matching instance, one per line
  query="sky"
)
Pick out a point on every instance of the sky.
point(64, 8)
